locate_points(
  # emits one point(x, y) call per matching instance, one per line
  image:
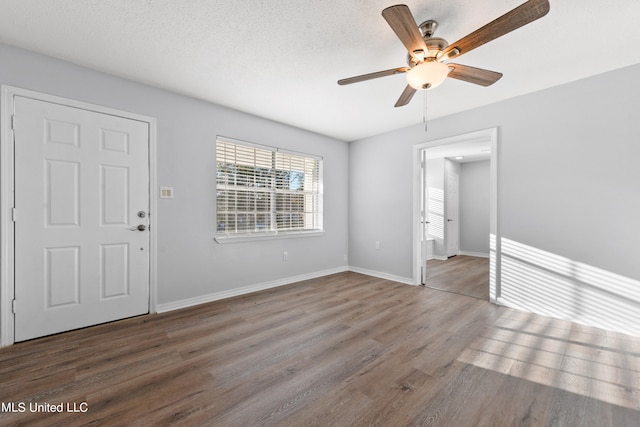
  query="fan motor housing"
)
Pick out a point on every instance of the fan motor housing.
point(435, 45)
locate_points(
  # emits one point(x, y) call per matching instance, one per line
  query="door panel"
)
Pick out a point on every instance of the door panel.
point(61, 276)
point(80, 179)
point(114, 195)
point(114, 263)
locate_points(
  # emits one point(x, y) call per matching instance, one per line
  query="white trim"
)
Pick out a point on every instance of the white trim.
point(476, 254)
point(7, 94)
point(153, 218)
point(6, 228)
point(270, 235)
point(495, 257)
point(381, 275)
point(487, 135)
point(189, 302)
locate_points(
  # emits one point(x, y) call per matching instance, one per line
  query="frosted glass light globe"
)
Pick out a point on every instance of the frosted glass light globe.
point(427, 75)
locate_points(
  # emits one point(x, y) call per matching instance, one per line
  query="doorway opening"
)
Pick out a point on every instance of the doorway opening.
point(455, 213)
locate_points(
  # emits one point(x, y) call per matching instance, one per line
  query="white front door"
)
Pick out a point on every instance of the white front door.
point(81, 191)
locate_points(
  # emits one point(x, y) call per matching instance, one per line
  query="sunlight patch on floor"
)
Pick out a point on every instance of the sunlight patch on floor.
point(557, 354)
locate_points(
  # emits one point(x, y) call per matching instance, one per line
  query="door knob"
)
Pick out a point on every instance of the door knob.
point(141, 227)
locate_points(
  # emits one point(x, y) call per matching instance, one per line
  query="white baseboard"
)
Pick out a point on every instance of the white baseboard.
point(477, 254)
point(405, 280)
point(189, 302)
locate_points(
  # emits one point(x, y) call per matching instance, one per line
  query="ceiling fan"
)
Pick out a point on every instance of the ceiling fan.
point(426, 54)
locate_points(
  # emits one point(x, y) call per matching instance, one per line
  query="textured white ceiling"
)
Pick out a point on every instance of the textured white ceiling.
point(281, 59)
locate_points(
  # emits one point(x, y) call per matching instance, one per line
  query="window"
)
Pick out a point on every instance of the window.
point(264, 191)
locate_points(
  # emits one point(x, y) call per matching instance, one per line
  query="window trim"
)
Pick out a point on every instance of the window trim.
point(253, 237)
point(248, 236)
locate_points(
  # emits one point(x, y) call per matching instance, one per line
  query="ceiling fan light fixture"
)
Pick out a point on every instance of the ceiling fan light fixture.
point(427, 75)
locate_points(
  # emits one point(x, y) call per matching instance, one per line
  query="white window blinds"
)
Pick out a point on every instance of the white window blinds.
point(265, 191)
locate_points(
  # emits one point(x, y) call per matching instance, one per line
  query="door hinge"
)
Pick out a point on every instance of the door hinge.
point(14, 213)
point(13, 122)
point(13, 306)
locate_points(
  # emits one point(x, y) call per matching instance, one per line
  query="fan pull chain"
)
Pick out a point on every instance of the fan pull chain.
point(424, 114)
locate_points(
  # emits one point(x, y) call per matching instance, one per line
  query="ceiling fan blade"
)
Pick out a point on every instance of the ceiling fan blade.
point(516, 18)
point(401, 21)
point(478, 76)
point(370, 76)
point(406, 96)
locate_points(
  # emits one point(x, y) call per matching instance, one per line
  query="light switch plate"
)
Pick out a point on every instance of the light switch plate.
point(166, 192)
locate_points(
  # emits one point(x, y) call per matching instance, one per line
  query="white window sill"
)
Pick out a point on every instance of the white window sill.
point(265, 236)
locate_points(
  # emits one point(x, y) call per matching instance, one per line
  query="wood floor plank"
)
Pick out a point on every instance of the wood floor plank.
point(304, 388)
point(341, 350)
point(397, 399)
point(519, 403)
point(464, 275)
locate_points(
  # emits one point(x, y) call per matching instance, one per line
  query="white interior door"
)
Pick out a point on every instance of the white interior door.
point(81, 192)
point(453, 233)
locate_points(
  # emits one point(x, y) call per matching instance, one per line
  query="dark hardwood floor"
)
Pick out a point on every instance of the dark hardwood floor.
point(461, 274)
point(342, 350)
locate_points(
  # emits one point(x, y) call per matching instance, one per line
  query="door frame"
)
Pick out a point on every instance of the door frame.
point(7, 189)
point(487, 135)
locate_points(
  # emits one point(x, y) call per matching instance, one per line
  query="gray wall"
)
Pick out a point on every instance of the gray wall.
point(474, 208)
point(380, 188)
point(568, 199)
point(190, 263)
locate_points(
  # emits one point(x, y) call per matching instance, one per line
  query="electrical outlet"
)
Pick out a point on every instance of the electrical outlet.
point(285, 256)
point(377, 245)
